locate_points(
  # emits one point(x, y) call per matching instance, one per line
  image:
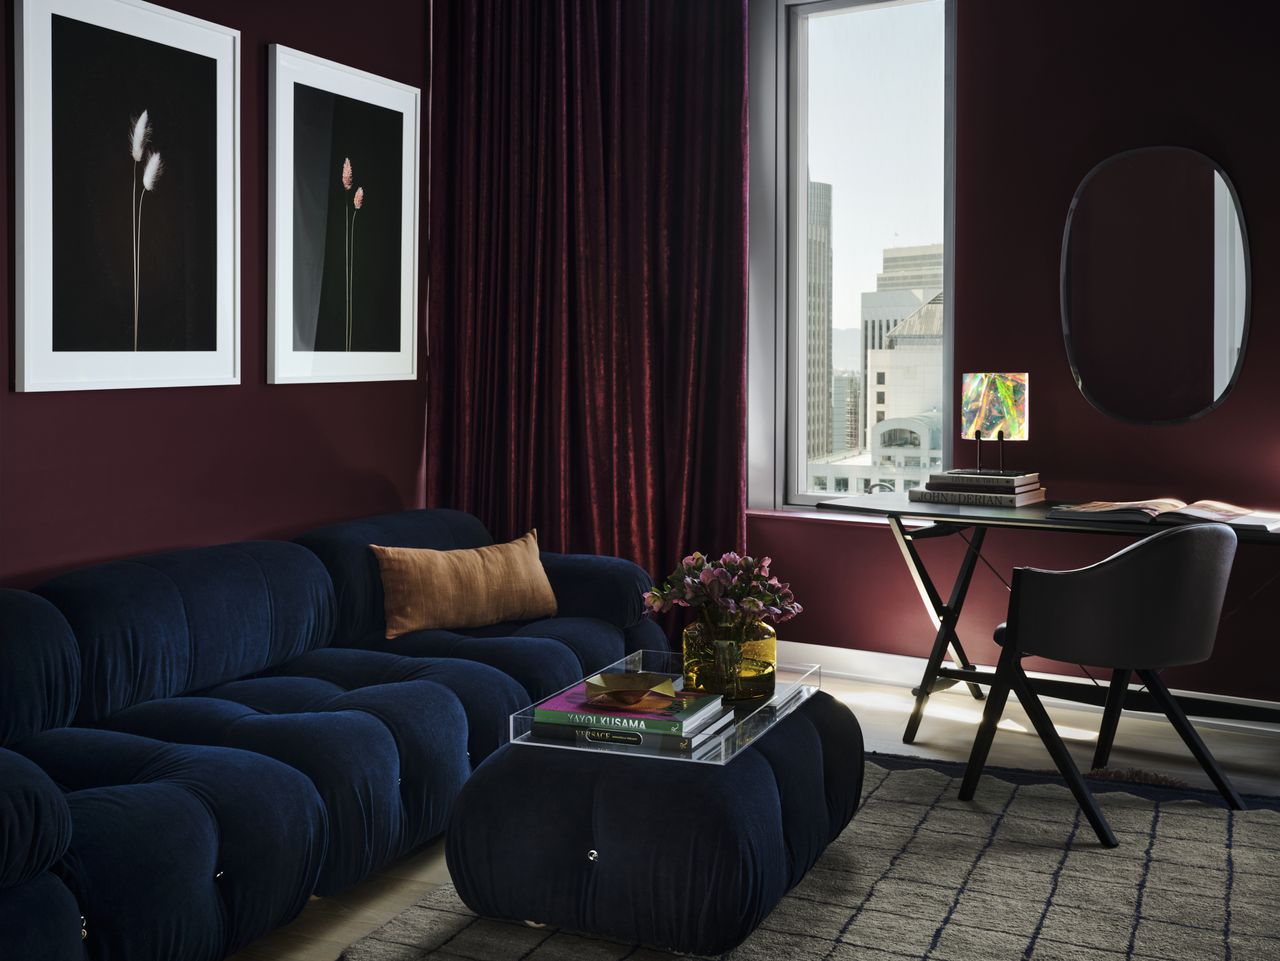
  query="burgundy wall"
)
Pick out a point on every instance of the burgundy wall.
point(92, 474)
point(1044, 91)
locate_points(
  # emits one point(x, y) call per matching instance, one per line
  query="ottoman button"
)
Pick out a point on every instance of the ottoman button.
point(593, 855)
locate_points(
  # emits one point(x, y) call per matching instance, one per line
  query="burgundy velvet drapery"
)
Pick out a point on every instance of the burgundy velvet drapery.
point(588, 272)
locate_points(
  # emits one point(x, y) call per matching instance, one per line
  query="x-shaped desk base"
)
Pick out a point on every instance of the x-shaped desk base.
point(937, 675)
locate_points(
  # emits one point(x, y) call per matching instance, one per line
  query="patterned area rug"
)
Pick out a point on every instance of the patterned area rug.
point(920, 875)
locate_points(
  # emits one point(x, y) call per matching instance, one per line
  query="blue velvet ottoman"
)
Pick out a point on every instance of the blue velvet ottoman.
point(685, 856)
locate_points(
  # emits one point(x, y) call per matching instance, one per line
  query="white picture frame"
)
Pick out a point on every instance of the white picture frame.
point(301, 268)
point(39, 365)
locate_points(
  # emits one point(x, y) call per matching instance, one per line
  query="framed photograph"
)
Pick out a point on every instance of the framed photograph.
point(344, 223)
point(128, 185)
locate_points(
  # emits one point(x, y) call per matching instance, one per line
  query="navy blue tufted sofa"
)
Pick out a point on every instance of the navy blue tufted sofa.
point(165, 851)
point(193, 743)
point(600, 614)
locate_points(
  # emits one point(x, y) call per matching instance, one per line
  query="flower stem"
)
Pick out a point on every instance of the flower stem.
point(133, 249)
point(352, 282)
point(346, 275)
point(137, 275)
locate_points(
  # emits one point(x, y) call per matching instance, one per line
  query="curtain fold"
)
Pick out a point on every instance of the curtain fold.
point(588, 272)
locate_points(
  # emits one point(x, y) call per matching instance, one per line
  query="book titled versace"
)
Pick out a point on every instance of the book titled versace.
point(684, 714)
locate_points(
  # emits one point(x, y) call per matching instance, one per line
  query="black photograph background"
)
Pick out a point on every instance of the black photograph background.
point(329, 234)
point(102, 80)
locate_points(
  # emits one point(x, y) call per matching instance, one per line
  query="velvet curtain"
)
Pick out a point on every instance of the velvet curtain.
point(588, 272)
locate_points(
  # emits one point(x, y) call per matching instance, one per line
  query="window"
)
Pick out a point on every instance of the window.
point(842, 485)
point(849, 319)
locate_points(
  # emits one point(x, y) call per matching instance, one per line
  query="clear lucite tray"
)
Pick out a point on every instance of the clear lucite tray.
point(795, 684)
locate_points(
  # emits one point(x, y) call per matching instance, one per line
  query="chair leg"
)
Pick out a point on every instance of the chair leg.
point(1188, 733)
point(1111, 716)
point(1062, 757)
point(996, 698)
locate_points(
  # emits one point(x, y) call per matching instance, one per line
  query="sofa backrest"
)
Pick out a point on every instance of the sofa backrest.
point(167, 624)
point(39, 667)
point(357, 582)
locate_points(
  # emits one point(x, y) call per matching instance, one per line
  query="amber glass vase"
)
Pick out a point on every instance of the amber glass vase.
point(730, 655)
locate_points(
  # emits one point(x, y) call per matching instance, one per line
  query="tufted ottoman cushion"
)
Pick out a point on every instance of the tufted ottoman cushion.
point(685, 856)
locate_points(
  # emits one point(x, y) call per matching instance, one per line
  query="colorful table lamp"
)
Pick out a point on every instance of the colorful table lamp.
point(994, 405)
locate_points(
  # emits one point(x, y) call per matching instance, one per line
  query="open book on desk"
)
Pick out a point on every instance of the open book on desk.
point(1168, 510)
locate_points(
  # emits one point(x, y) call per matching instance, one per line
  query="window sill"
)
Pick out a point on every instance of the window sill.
point(811, 515)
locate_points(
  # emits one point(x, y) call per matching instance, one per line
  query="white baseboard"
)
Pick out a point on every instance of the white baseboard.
point(901, 670)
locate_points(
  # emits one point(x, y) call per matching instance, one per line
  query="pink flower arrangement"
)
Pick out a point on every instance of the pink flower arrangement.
point(346, 174)
point(358, 200)
point(734, 586)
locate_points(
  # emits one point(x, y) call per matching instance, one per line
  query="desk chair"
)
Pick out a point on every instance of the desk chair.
point(1154, 605)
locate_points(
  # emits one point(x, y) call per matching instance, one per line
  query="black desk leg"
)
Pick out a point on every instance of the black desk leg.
point(944, 615)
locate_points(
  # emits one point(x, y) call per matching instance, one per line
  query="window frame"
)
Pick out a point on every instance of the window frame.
point(775, 380)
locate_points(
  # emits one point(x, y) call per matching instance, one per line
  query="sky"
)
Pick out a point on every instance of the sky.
point(876, 110)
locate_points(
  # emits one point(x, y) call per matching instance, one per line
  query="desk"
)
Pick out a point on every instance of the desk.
point(942, 520)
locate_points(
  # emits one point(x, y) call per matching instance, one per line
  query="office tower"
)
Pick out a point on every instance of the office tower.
point(910, 277)
point(818, 302)
point(845, 405)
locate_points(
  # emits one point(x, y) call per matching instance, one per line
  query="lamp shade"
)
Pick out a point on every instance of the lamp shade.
point(990, 403)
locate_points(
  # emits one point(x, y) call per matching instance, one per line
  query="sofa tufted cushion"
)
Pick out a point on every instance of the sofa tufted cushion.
point(35, 824)
point(180, 851)
point(387, 741)
point(40, 919)
point(39, 667)
point(605, 588)
point(344, 550)
point(544, 656)
point(162, 625)
point(730, 841)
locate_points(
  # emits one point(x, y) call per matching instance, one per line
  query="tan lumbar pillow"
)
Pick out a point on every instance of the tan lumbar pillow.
point(426, 589)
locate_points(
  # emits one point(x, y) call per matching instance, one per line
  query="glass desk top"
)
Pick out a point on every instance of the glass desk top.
point(752, 719)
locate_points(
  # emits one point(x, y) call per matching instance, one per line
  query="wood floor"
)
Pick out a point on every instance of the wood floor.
point(1251, 759)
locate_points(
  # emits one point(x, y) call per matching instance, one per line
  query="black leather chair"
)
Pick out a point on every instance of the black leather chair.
point(1154, 605)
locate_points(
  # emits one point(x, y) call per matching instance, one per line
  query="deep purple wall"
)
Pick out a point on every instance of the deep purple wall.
point(1044, 91)
point(93, 474)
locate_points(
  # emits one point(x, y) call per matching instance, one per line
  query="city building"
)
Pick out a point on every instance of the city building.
point(909, 278)
point(902, 394)
point(818, 282)
point(846, 393)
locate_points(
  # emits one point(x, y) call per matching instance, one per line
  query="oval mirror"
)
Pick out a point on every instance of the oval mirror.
point(1155, 285)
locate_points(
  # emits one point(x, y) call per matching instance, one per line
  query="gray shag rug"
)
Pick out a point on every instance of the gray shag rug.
point(1014, 875)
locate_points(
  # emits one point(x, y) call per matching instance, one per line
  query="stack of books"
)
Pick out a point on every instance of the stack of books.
point(988, 488)
point(677, 726)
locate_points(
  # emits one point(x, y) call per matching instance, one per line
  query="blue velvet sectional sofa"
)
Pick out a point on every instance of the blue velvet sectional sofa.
point(193, 743)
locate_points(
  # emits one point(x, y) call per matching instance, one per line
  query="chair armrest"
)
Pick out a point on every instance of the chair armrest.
point(607, 588)
point(1155, 604)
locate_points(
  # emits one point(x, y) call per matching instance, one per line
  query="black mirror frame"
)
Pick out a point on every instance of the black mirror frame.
point(1064, 264)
